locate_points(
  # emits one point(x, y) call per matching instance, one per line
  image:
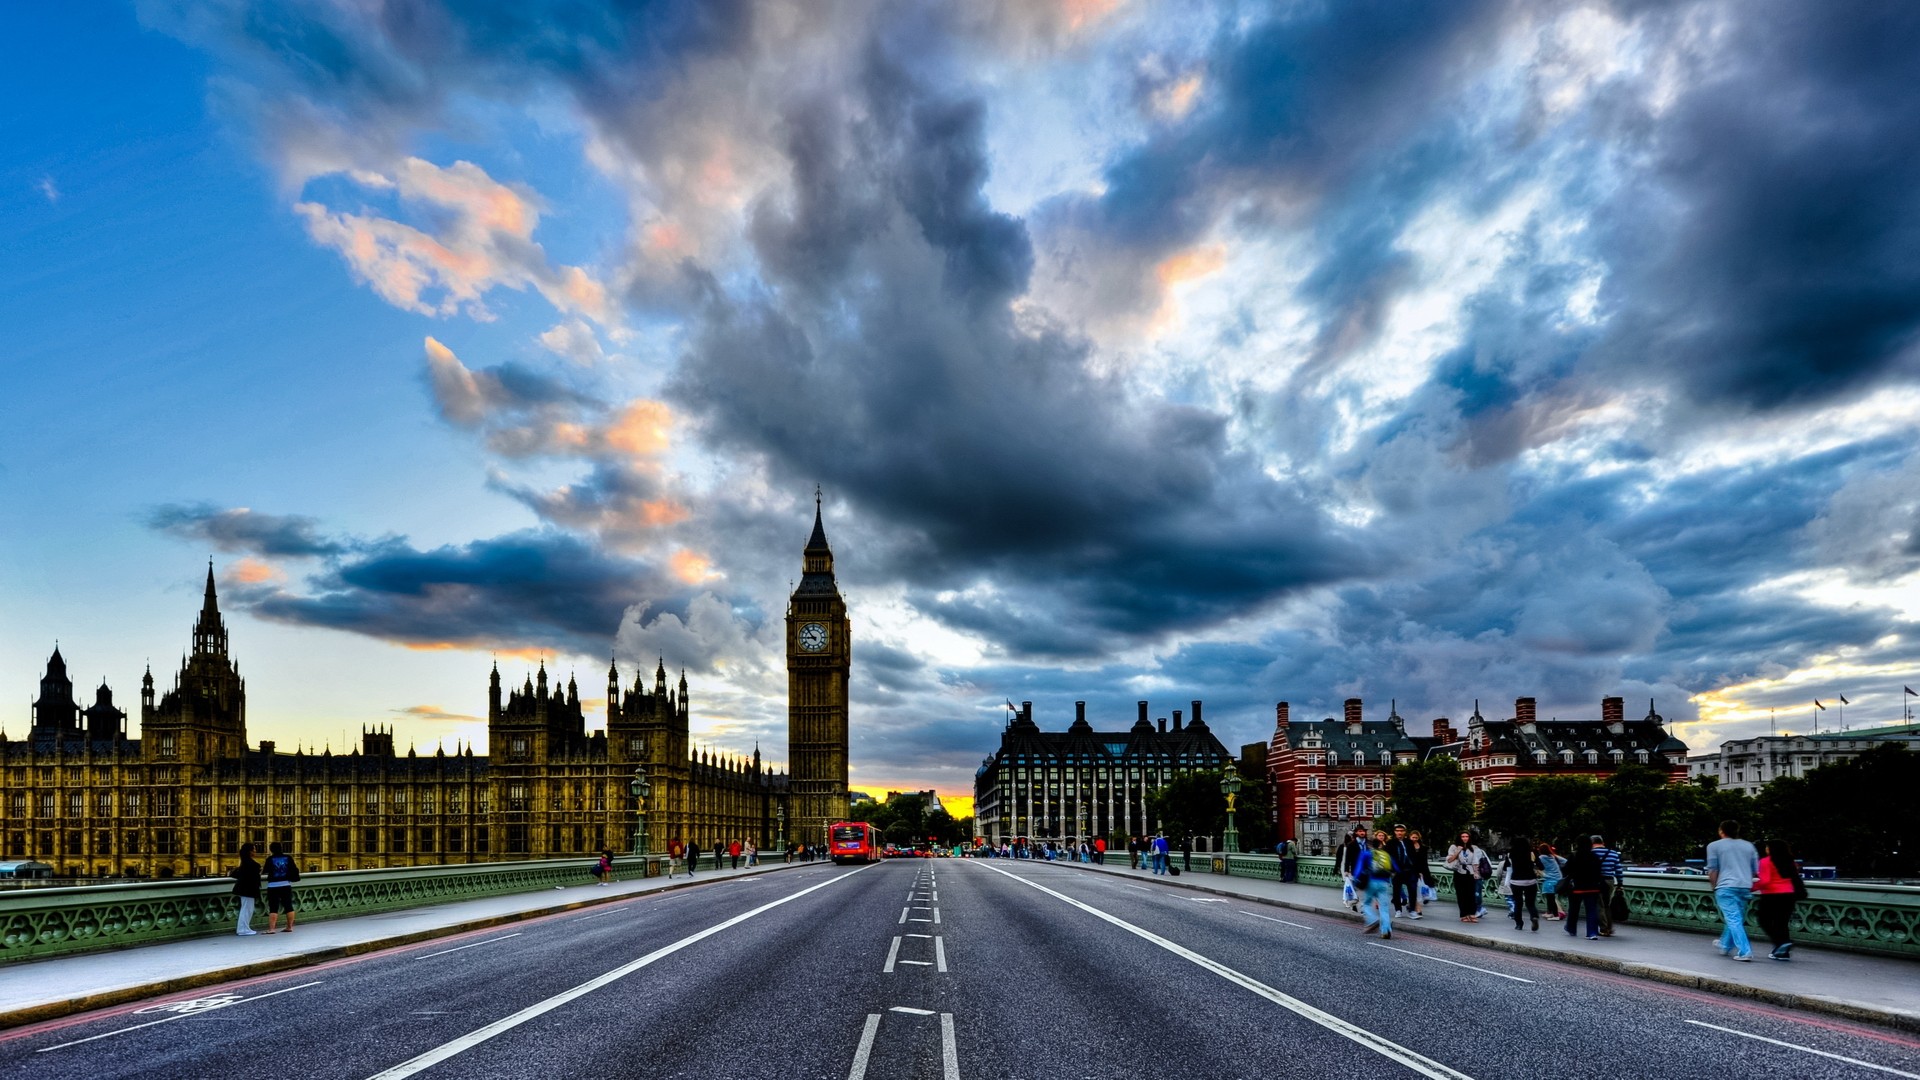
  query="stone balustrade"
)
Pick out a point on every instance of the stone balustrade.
point(1880, 919)
point(40, 923)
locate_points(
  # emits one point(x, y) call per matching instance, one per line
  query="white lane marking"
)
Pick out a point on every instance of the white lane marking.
point(918, 963)
point(940, 954)
point(475, 945)
point(1386, 1048)
point(911, 1011)
point(499, 1027)
point(922, 920)
point(910, 895)
point(1455, 963)
point(597, 915)
point(936, 916)
point(179, 1016)
point(1206, 900)
point(893, 953)
point(872, 1028)
point(1270, 918)
point(936, 894)
point(1808, 1049)
point(1137, 888)
point(903, 914)
point(949, 1053)
point(920, 935)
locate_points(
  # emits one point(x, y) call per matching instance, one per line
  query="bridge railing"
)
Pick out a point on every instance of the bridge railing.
point(1880, 919)
point(41, 923)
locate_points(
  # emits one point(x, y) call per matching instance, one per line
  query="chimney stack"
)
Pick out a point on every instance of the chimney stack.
point(1026, 711)
point(1282, 713)
point(1613, 710)
point(1443, 730)
point(1163, 725)
point(1143, 712)
point(1523, 710)
point(1079, 711)
point(1196, 714)
point(1353, 716)
point(1176, 719)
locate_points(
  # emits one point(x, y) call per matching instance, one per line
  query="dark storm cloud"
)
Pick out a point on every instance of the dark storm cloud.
point(244, 530)
point(521, 590)
point(1770, 255)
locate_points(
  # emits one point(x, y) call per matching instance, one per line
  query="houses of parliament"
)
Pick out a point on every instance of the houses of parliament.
point(179, 799)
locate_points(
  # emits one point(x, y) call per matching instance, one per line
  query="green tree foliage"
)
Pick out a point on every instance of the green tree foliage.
point(1555, 808)
point(1635, 808)
point(1252, 815)
point(1191, 805)
point(1856, 815)
point(1430, 796)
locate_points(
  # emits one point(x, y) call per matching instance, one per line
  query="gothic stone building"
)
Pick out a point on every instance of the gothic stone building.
point(1330, 775)
point(1082, 783)
point(179, 799)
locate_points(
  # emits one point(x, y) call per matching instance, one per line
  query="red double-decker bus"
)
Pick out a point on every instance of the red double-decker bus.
point(853, 842)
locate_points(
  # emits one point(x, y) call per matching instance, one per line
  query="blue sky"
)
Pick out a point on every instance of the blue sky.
point(1435, 353)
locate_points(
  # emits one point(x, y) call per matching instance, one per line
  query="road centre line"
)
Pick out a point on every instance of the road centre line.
point(918, 963)
point(1137, 888)
point(179, 1016)
point(940, 954)
point(1270, 918)
point(893, 953)
point(475, 945)
point(903, 914)
point(920, 935)
point(499, 1027)
point(949, 1053)
point(1419, 1063)
point(1455, 963)
point(1807, 1049)
point(911, 1011)
point(872, 1028)
point(936, 916)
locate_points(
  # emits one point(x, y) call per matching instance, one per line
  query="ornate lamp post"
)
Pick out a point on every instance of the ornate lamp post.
point(1230, 787)
point(640, 789)
point(780, 826)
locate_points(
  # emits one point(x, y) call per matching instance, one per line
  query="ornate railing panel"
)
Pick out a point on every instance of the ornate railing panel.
point(1882, 919)
point(53, 922)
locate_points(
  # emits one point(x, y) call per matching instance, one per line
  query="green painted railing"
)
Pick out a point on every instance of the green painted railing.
point(1881, 919)
point(56, 922)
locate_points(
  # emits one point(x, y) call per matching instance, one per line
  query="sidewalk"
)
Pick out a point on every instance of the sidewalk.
point(1875, 989)
point(46, 989)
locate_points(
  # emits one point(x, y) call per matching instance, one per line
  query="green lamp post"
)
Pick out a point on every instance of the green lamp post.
point(641, 789)
point(1230, 787)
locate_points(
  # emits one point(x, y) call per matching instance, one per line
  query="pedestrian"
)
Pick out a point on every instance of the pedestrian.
point(1780, 887)
point(1289, 851)
point(604, 868)
point(1100, 850)
point(1732, 867)
point(1160, 853)
point(1374, 872)
point(246, 886)
point(1550, 874)
point(1470, 871)
point(281, 872)
point(1424, 886)
point(753, 854)
point(1133, 853)
point(1584, 879)
point(1406, 880)
point(733, 853)
point(693, 856)
point(1613, 879)
point(1186, 852)
point(1522, 875)
point(1346, 859)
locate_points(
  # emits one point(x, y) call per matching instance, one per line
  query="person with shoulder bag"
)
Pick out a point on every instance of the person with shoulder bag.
point(281, 872)
point(1779, 889)
point(246, 886)
point(1519, 871)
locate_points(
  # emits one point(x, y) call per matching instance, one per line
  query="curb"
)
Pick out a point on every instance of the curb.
point(1902, 1019)
point(54, 1010)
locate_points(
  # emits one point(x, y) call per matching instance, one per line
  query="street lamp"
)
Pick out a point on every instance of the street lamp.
point(1230, 787)
point(640, 789)
point(780, 820)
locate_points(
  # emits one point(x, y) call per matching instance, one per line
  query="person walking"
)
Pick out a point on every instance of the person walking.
point(1133, 853)
point(1779, 888)
point(1100, 850)
point(1470, 870)
point(753, 853)
point(1346, 859)
point(246, 886)
point(1289, 853)
point(1583, 875)
point(1423, 885)
point(1550, 874)
point(733, 854)
point(1406, 879)
point(281, 872)
point(1374, 873)
point(1522, 875)
point(693, 856)
point(1613, 881)
point(604, 868)
point(1732, 867)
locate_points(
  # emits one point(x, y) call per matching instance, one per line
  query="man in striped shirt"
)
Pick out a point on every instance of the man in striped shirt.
point(1613, 877)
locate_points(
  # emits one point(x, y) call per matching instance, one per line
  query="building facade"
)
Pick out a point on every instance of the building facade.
point(1747, 765)
point(1081, 783)
point(819, 661)
point(1330, 775)
point(81, 793)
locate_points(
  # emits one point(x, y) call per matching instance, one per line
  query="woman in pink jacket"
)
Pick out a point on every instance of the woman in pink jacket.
point(1778, 889)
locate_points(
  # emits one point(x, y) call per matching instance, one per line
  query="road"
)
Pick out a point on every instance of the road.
point(947, 969)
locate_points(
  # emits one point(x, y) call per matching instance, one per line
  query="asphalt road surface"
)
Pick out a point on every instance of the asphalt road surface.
point(947, 969)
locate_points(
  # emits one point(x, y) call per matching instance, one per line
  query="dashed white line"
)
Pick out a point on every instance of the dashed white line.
point(918, 963)
point(949, 1053)
point(180, 1016)
point(893, 953)
point(1806, 1049)
point(1455, 963)
point(936, 916)
point(1137, 888)
point(872, 1028)
point(940, 954)
point(475, 945)
point(1270, 918)
point(903, 914)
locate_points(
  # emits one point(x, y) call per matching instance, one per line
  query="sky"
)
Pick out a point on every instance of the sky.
point(1430, 354)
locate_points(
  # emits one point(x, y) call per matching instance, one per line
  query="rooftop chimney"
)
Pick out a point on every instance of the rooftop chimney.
point(1176, 719)
point(1143, 712)
point(1523, 710)
point(1613, 710)
point(1196, 715)
point(1353, 716)
point(1443, 730)
point(1079, 711)
point(1282, 713)
point(1163, 725)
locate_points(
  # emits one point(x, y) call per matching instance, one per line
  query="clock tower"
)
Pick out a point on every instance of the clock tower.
point(819, 656)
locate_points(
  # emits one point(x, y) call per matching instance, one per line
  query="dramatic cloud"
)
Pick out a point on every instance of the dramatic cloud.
point(239, 529)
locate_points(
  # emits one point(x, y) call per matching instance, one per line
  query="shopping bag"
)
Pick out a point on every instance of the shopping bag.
point(1347, 894)
point(1427, 893)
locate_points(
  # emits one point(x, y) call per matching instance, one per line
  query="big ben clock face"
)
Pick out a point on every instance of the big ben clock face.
point(813, 637)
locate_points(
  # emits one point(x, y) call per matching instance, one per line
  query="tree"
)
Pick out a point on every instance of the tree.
point(1252, 817)
point(1554, 808)
point(1856, 815)
point(1192, 805)
point(1430, 796)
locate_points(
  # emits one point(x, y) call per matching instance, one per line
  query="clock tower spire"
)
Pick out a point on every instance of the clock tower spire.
point(819, 658)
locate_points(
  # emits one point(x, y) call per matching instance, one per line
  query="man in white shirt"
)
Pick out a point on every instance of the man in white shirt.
point(1732, 866)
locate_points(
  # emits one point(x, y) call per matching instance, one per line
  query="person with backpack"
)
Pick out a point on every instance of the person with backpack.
point(281, 872)
point(1345, 860)
point(1373, 873)
point(1470, 871)
point(1550, 874)
point(246, 886)
point(1522, 877)
point(1778, 889)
